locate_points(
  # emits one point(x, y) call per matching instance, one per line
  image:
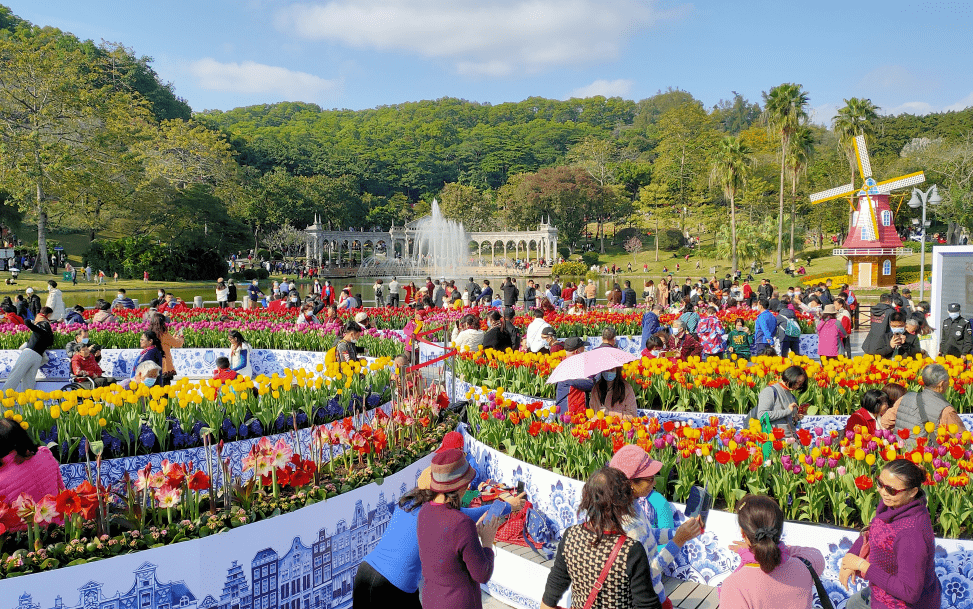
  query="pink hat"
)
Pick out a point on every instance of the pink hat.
point(635, 463)
point(453, 439)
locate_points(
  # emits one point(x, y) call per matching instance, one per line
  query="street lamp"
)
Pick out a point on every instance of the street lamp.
point(920, 199)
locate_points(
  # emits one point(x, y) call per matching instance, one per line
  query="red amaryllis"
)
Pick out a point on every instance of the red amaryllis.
point(199, 481)
point(68, 502)
point(864, 482)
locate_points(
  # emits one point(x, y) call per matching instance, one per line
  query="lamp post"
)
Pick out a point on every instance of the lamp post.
point(920, 199)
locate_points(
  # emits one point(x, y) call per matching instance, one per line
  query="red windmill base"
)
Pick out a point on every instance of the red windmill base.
point(873, 247)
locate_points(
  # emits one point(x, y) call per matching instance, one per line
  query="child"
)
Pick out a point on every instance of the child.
point(223, 371)
point(740, 341)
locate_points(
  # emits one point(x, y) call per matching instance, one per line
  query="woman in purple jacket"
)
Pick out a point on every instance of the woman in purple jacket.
point(900, 567)
point(456, 553)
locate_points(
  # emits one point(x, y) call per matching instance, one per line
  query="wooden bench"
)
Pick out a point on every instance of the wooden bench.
point(684, 594)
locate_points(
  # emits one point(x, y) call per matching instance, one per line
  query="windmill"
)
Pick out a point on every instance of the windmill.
point(873, 244)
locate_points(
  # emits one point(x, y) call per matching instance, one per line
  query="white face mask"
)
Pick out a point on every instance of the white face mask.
point(954, 314)
point(790, 293)
point(898, 330)
point(120, 296)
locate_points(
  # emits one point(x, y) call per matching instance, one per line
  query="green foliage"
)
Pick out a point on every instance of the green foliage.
point(671, 239)
point(250, 274)
point(569, 269)
point(590, 258)
point(132, 256)
point(565, 252)
point(263, 254)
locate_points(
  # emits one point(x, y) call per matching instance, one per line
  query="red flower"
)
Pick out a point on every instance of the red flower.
point(668, 426)
point(778, 433)
point(535, 428)
point(723, 457)
point(804, 436)
point(199, 481)
point(957, 452)
point(864, 482)
point(904, 434)
point(68, 502)
point(740, 455)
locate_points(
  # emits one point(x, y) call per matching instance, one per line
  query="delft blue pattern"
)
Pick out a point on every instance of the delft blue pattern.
point(287, 573)
point(707, 559)
point(113, 471)
point(630, 344)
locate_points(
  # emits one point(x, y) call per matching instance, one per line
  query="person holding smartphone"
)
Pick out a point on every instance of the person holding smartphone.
point(661, 542)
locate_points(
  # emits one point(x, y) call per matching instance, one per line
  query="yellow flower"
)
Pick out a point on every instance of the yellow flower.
point(24, 425)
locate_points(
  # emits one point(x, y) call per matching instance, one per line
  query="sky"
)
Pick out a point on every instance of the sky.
point(911, 57)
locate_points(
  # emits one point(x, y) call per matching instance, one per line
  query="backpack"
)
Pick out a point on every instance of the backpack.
point(792, 329)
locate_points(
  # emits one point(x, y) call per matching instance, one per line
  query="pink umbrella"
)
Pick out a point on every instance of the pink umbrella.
point(590, 363)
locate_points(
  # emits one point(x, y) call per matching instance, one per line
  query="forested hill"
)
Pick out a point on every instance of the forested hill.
point(416, 147)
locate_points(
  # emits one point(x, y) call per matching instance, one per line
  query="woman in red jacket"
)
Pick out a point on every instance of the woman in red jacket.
point(25, 468)
point(874, 405)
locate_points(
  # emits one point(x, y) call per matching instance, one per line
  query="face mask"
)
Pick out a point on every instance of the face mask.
point(84, 341)
point(897, 330)
point(149, 381)
point(655, 352)
point(120, 296)
point(608, 376)
point(161, 295)
point(954, 315)
point(790, 293)
point(293, 299)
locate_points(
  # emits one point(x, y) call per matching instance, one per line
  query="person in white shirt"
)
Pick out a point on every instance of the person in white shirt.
point(535, 342)
point(468, 335)
point(394, 293)
point(55, 301)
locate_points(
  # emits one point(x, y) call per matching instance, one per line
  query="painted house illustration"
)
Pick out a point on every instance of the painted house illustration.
point(317, 577)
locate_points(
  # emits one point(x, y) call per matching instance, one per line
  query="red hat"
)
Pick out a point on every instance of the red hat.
point(452, 440)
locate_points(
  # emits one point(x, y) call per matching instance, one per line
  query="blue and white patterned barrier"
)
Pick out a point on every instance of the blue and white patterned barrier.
point(707, 560)
point(188, 362)
point(113, 471)
point(307, 558)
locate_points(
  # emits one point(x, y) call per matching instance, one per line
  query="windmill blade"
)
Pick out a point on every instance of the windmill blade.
point(900, 182)
point(861, 151)
point(833, 193)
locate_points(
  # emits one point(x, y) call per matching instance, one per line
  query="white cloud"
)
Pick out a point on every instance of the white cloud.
point(893, 78)
point(913, 107)
point(608, 88)
point(482, 38)
point(252, 77)
point(962, 104)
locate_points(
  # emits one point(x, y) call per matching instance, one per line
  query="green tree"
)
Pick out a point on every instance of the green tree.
point(687, 139)
point(654, 202)
point(54, 119)
point(798, 155)
point(732, 165)
point(467, 204)
point(785, 108)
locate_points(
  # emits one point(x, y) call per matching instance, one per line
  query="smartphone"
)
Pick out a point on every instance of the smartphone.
point(699, 503)
point(496, 510)
point(803, 408)
point(520, 487)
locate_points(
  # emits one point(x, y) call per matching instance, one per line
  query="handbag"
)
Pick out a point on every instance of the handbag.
point(864, 551)
point(604, 574)
point(530, 528)
point(823, 597)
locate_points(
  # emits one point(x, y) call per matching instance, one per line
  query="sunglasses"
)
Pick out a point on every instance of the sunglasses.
point(888, 489)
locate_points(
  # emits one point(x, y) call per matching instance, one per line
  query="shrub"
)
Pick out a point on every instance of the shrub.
point(569, 269)
point(263, 254)
point(590, 258)
point(671, 239)
point(132, 256)
point(592, 275)
point(251, 274)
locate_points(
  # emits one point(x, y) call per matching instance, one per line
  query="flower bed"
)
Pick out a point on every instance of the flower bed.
point(175, 502)
point(819, 476)
point(723, 385)
point(323, 539)
point(706, 560)
point(116, 422)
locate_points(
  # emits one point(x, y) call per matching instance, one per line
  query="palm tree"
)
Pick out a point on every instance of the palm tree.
point(855, 118)
point(798, 154)
point(785, 107)
point(731, 167)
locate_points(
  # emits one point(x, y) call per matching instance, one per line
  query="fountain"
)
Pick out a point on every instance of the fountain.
point(441, 249)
